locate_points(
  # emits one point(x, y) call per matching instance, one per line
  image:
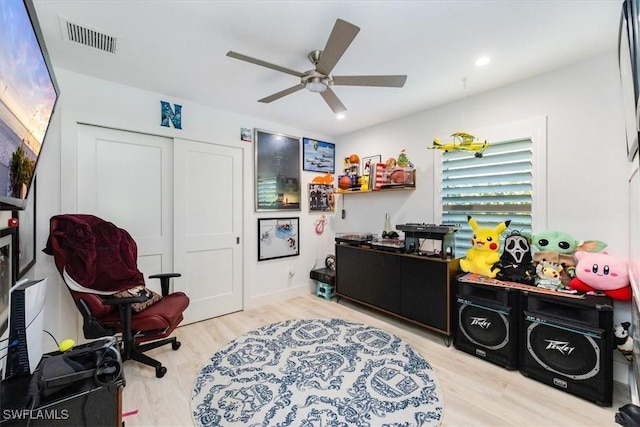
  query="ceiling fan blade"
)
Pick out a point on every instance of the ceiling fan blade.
point(262, 63)
point(333, 101)
point(385, 81)
point(281, 94)
point(340, 38)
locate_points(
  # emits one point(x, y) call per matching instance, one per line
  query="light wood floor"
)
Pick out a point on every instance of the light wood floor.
point(476, 393)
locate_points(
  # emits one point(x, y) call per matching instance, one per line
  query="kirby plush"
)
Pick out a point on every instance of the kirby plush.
point(601, 272)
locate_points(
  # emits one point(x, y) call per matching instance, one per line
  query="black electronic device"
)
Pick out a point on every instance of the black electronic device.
point(414, 232)
point(393, 245)
point(567, 343)
point(99, 360)
point(487, 323)
point(324, 275)
point(355, 239)
point(430, 229)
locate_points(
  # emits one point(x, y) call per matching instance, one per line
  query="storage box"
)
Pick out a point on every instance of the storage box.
point(400, 176)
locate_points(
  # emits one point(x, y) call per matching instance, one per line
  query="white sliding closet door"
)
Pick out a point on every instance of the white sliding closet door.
point(180, 200)
point(127, 178)
point(208, 226)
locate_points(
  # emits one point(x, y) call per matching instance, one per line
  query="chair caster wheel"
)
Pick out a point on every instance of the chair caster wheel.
point(176, 345)
point(160, 371)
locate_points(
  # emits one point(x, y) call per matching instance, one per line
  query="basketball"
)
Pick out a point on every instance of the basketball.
point(354, 159)
point(344, 182)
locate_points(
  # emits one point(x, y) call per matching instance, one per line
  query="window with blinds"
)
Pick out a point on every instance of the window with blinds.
point(494, 188)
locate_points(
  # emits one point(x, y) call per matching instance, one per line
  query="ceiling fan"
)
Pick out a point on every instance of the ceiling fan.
point(320, 79)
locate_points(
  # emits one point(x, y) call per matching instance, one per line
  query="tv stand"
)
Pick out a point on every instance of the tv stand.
point(415, 288)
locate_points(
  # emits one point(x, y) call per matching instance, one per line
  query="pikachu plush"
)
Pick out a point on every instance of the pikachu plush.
point(485, 249)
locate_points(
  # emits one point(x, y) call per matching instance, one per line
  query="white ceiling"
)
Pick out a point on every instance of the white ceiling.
point(178, 49)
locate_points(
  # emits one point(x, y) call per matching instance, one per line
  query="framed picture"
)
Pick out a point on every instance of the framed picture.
point(26, 237)
point(277, 172)
point(318, 156)
point(322, 197)
point(278, 238)
point(367, 162)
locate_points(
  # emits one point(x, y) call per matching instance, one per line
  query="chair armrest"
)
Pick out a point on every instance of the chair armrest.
point(164, 281)
point(125, 300)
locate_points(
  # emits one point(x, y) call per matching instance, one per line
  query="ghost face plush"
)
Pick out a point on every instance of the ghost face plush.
point(602, 272)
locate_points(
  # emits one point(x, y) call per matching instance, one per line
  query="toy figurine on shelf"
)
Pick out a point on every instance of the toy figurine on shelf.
point(485, 250)
point(403, 161)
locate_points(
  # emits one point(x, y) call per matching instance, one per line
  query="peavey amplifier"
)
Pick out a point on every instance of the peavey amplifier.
point(569, 344)
point(487, 323)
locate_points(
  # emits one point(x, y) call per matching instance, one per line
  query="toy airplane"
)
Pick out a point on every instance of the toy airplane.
point(462, 141)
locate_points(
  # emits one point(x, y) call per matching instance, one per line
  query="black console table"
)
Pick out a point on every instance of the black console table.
point(415, 288)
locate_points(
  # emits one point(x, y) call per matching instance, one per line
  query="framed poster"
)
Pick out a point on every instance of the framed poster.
point(318, 156)
point(367, 162)
point(277, 172)
point(278, 238)
point(322, 197)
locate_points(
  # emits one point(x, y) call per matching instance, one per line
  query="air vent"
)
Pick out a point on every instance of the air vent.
point(88, 36)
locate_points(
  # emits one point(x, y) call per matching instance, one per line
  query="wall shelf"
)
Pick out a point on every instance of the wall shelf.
point(387, 187)
point(378, 190)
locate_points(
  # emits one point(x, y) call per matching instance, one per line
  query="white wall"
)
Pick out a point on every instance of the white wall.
point(586, 154)
point(98, 102)
point(587, 168)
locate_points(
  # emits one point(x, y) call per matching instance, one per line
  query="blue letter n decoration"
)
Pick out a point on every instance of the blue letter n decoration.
point(169, 115)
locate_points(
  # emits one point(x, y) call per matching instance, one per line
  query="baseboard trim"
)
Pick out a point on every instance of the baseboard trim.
point(278, 296)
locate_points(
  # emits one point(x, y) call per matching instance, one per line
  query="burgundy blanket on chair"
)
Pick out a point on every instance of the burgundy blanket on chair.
point(94, 252)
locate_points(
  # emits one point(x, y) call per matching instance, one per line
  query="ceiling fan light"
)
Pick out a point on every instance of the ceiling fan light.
point(316, 85)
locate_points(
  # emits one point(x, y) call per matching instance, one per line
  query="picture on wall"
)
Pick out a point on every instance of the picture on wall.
point(277, 171)
point(368, 162)
point(322, 197)
point(278, 238)
point(318, 156)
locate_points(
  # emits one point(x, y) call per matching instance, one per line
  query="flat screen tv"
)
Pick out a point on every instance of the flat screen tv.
point(28, 95)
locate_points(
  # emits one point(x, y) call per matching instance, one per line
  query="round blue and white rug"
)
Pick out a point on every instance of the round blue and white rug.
point(317, 372)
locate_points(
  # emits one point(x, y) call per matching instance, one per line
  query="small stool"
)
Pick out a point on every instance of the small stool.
point(324, 290)
point(325, 279)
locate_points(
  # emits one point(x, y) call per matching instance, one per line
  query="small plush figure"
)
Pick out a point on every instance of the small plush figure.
point(622, 339)
point(564, 243)
point(601, 272)
point(549, 275)
point(485, 249)
point(559, 247)
point(516, 263)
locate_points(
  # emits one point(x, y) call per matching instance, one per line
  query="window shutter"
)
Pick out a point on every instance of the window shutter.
point(494, 188)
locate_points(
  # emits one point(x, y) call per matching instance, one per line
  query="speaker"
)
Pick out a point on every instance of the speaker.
point(568, 344)
point(487, 323)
